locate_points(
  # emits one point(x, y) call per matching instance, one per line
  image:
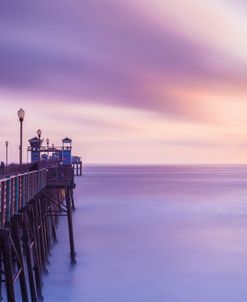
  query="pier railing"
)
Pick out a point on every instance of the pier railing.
point(30, 204)
point(16, 191)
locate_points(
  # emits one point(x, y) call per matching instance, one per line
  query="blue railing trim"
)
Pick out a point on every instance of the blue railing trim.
point(17, 190)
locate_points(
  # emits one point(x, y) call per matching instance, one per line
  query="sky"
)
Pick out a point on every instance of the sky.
point(129, 81)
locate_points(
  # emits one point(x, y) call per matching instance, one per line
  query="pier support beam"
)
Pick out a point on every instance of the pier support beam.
point(27, 247)
point(70, 224)
point(16, 221)
point(72, 199)
point(5, 244)
point(37, 261)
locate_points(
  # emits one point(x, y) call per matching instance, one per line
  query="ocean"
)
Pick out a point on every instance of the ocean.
point(154, 233)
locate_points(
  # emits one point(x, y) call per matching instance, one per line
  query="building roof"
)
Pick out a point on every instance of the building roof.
point(34, 140)
point(67, 140)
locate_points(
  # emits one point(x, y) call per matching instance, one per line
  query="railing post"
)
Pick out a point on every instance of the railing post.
point(7, 217)
point(21, 178)
point(16, 194)
point(3, 203)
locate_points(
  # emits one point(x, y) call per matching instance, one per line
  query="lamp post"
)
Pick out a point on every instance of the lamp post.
point(47, 142)
point(6, 162)
point(39, 135)
point(21, 114)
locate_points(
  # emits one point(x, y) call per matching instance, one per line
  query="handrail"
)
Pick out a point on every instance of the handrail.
point(17, 190)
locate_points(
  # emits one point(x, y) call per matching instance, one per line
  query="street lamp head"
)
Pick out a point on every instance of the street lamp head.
point(21, 114)
point(39, 133)
point(6, 143)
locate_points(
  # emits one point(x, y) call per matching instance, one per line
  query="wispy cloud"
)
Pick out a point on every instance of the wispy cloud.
point(176, 59)
point(103, 52)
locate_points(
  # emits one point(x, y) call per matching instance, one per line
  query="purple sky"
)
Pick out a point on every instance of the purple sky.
point(124, 78)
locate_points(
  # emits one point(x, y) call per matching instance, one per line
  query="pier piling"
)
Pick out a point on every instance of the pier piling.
point(17, 221)
point(70, 225)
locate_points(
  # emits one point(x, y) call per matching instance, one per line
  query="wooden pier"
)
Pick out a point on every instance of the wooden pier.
point(30, 205)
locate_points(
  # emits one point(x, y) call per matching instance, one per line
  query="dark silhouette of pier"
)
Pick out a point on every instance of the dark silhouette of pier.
point(30, 206)
point(32, 197)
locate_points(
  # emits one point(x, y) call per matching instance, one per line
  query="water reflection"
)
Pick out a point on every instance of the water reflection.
point(155, 233)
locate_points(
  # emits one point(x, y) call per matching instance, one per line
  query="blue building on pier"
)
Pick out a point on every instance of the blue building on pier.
point(60, 153)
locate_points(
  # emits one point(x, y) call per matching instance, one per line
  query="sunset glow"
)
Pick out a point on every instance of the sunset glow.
point(129, 81)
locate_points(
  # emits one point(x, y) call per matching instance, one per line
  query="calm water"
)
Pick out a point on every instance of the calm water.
point(154, 234)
